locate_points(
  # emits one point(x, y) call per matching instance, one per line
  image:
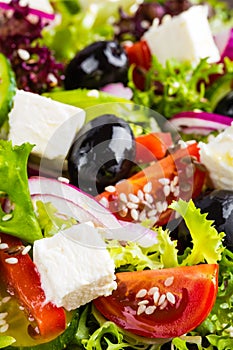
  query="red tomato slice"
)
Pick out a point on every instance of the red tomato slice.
point(147, 194)
point(153, 146)
point(22, 279)
point(163, 303)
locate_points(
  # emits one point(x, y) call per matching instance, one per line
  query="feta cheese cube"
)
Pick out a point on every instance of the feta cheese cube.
point(50, 125)
point(75, 266)
point(185, 37)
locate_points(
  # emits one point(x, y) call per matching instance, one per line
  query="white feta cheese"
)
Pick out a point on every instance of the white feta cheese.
point(75, 266)
point(49, 125)
point(217, 156)
point(185, 37)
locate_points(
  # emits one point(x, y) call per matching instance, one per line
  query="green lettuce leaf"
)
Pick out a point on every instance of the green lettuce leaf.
point(207, 242)
point(5, 341)
point(21, 221)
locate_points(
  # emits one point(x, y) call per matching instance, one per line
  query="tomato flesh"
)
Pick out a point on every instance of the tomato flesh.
point(161, 303)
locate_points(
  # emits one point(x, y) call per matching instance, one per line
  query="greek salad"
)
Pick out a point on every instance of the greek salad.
point(116, 175)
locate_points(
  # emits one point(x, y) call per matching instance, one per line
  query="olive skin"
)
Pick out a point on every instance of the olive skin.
point(225, 105)
point(102, 154)
point(97, 65)
point(219, 206)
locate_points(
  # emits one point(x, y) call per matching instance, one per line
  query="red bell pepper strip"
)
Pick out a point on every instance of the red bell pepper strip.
point(22, 279)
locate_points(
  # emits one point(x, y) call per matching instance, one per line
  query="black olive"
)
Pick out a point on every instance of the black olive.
point(219, 206)
point(102, 154)
point(225, 105)
point(98, 64)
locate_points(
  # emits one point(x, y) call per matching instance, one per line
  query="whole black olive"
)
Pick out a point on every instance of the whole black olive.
point(219, 206)
point(98, 64)
point(102, 154)
point(225, 105)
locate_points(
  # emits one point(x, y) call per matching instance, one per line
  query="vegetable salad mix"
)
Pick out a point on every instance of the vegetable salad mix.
point(116, 168)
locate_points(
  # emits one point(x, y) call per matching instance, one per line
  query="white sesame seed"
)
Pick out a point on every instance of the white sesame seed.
point(131, 205)
point(164, 181)
point(170, 297)
point(104, 202)
point(133, 198)
point(52, 79)
point(150, 309)
point(153, 290)
point(141, 293)
point(156, 297)
point(175, 180)
point(7, 217)
point(21, 307)
point(5, 300)
point(3, 246)
point(2, 322)
point(3, 315)
point(167, 190)
point(110, 189)
point(134, 214)
point(163, 305)
point(168, 281)
point(152, 212)
point(140, 194)
point(142, 216)
point(11, 261)
point(147, 188)
point(31, 319)
point(4, 328)
point(149, 198)
point(162, 299)
point(176, 192)
point(23, 54)
point(63, 179)
point(141, 309)
point(26, 250)
point(143, 302)
point(165, 205)
point(159, 207)
point(123, 197)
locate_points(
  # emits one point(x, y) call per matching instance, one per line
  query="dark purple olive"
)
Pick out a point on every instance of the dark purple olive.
point(98, 64)
point(219, 206)
point(102, 154)
point(225, 105)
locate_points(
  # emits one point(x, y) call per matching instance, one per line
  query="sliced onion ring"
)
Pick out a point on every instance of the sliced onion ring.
point(202, 122)
point(224, 42)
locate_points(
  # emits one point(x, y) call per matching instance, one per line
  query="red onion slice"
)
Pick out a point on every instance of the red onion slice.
point(36, 12)
point(224, 42)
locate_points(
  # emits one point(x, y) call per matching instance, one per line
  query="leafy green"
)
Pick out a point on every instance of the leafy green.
point(5, 341)
point(175, 87)
point(49, 220)
point(207, 242)
point(21, 221)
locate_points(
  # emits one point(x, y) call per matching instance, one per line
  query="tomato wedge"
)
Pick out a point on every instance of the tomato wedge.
point(163, 303)
point(147, 194)
point(20, 275)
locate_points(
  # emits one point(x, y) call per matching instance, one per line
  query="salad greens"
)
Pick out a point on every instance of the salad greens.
point(19, 218)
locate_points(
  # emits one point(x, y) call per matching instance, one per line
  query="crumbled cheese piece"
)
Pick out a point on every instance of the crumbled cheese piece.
point(75, 266)
point(185, 37)
point(217, 156)
point(49, 125)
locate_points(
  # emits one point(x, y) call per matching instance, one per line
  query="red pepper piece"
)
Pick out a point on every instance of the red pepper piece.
point(22, 280)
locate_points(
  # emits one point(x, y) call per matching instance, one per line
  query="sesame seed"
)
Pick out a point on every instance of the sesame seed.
point(2, 322)
point(142, 216)
point(168, 281)
point(147, 188)
point(163, 305)
point(21, 307)
point(166, 190)
point(159, 207)
point(164, 181)
point(7, 217)
point(140, 194)
point(3, 246)
point(110, 189)
point(131, 205)
point(123, 197)
point(63, 179)
point(23, 54)
point(152, 212)
point(134, 214)
point(4, 328)
point(149, 198)
point(156, 297)
point(141, 293)
point(176, 192)
point(165, 205)
point(162, 299)
point(11, 261)
point(153, 290)
point(3, 315)
point(175, 180)
point(141, 309)
point(5, 300)
point(104, 202)
point(170, 297)
point(133, 198)
point(143, 302)
point(26, 250)
point(150, 309)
